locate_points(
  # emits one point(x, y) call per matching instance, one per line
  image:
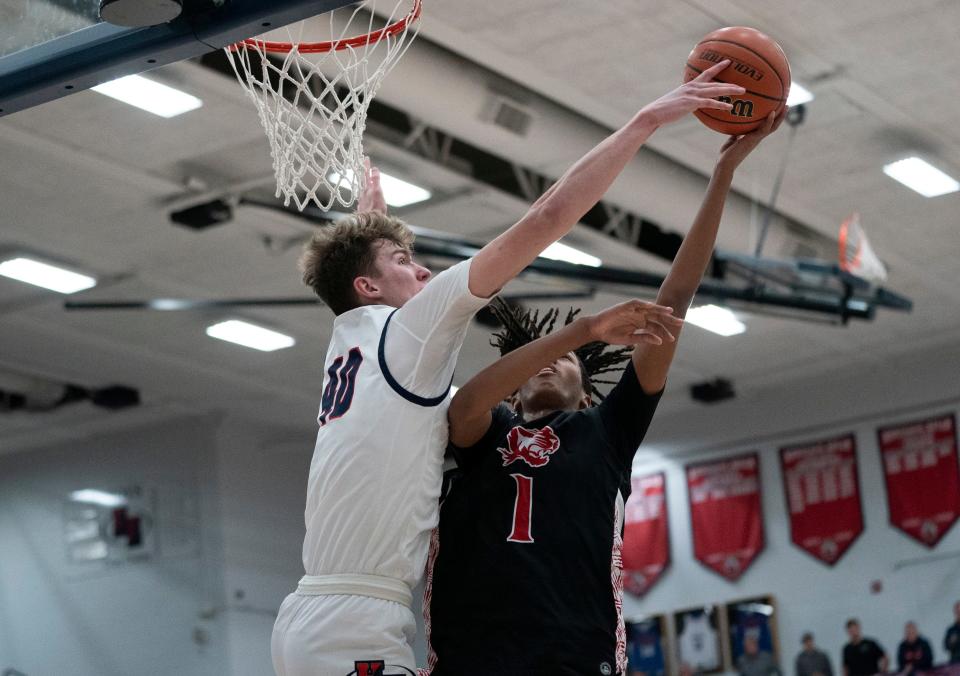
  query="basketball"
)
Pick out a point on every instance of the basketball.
point(758, 64)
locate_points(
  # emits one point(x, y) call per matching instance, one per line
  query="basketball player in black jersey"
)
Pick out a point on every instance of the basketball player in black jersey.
point(524, 574)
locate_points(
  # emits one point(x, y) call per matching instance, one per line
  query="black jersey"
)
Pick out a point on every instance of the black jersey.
point(525, 573)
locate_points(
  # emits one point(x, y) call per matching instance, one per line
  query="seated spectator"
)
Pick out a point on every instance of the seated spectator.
point(951, 642)
point(811, 661)
point(862, 656)
point(756, 662)
point(914, 653)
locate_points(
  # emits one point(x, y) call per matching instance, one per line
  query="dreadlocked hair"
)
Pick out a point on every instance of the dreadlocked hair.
point(524, 326)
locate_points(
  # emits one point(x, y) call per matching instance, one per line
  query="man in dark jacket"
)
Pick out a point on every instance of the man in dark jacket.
point(862, 656)
point(914, 654)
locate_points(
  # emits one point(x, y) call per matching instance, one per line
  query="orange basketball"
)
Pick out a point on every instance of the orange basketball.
point(757, 64)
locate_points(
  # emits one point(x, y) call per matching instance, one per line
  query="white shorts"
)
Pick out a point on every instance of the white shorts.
point(343, 635)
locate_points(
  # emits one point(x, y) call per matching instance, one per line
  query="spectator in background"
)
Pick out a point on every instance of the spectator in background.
point(862, 656)
point(811, 661)
point(914, 653)
point(756, 662)
point(951, 642)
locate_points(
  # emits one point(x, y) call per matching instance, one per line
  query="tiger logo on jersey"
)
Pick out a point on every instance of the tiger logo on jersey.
point(534, 447)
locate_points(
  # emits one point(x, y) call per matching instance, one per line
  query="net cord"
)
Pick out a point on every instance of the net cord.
point(313, 105)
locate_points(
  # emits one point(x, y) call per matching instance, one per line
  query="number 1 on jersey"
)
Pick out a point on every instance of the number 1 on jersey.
point(522, 510)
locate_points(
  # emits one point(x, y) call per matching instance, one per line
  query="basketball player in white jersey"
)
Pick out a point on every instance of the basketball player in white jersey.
point(375, 477)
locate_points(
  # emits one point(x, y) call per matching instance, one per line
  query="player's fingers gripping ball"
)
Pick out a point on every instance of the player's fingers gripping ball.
point(757, 63)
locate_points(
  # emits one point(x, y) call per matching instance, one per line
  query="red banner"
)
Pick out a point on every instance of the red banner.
point(822, 488)
point(923, 479)
point(725, 513)
point(646, 534)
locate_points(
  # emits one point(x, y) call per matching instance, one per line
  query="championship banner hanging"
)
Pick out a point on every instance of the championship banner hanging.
point(821, 485)
point(725, 513)
point(922, 476)
point(646, 534)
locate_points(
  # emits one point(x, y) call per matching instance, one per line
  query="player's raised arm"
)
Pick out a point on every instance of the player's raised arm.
point(556, 212)
point(422, 339)
point(628, 323)
point(652, 362)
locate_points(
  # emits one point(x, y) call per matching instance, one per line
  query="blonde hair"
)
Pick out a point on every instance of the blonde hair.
point(339, 253)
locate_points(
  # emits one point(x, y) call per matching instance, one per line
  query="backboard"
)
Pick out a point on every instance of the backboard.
point(52, 48)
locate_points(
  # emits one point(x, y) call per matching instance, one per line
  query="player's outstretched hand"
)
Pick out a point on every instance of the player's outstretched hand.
point(700, 92)
point(736, 148)
point(634, 322)
point(371, 199)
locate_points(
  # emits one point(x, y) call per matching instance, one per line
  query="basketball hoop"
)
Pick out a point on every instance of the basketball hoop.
point(312, 96)
point(856, 255)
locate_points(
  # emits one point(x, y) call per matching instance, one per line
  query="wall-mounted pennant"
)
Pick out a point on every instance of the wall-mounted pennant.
point(725, 513)
point(922, 476)
point(646, 533)
point(822, 489)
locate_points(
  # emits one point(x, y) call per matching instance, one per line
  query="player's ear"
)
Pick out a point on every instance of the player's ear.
point(366, 289)
point(586, 401)
point(513, 401)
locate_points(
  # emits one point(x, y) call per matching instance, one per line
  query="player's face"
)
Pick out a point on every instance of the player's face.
point(911, 632)
point(853, 631)
point(557, 387)
point(397, 278)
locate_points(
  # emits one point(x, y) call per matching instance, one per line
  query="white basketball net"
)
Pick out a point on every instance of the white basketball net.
point(313, 104)
point(857, 255)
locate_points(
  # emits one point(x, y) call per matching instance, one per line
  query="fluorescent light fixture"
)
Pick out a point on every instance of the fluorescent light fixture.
point(95, 497)
point(399, 193)
point(561, 252)
point(922, 177)
point(48, 276)
point(798, 94)
point(720, 320)
point(150, 96)
point(250, 335)
point(169, 304)
point(396, 192)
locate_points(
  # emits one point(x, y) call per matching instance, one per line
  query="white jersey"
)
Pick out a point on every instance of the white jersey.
point(698, 643)
point(372, 496)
